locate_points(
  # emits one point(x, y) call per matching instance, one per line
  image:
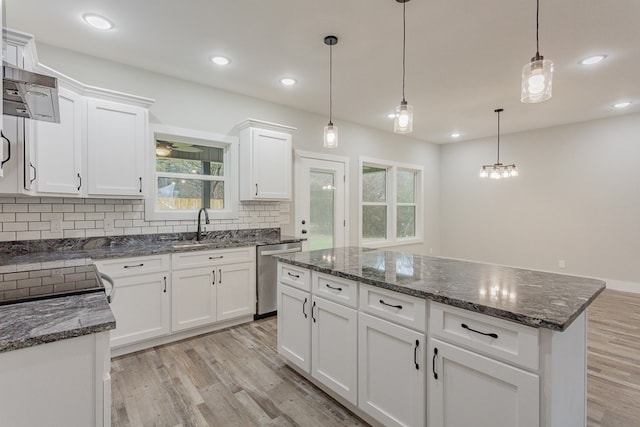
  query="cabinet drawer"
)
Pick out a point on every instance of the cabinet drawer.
point(294, 276)
point(133, 266)
point(216, 257)
point(396, 307)
point(335, 289)
point(501, 339)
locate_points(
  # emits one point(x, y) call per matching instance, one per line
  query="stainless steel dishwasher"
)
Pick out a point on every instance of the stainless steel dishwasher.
point(266, 276)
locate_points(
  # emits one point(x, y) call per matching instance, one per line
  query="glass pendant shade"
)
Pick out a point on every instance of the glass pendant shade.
point(330, 136)
point(403, 122)
point(537, 80)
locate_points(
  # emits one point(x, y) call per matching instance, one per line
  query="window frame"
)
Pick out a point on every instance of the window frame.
point(392, 204)
point(230, 177)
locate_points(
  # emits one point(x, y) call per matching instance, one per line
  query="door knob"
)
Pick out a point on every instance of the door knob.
point(304, 222)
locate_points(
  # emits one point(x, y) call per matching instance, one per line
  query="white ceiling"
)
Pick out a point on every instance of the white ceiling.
point(464, 57)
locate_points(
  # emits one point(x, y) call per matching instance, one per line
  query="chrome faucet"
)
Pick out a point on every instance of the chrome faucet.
point(206, 221)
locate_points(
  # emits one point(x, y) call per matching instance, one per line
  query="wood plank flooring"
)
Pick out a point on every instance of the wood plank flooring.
point(234, 378)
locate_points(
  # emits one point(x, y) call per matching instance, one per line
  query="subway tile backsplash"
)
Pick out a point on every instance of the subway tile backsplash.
point(30, 218)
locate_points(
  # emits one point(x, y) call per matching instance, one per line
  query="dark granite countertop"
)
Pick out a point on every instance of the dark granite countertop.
point(38, 322)
point(26, 324)
point(531, 298)
point(38, 253)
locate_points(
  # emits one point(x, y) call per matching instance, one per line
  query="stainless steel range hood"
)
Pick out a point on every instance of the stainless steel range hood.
point(30, 95)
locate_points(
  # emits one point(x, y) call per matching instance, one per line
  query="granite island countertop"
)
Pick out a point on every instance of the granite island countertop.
point(532, 298)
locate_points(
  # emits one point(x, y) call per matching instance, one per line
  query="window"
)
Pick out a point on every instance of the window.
point(192, 170)
point(391, 203)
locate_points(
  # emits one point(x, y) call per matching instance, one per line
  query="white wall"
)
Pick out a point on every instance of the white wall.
point(577, 199)
point(189, 105)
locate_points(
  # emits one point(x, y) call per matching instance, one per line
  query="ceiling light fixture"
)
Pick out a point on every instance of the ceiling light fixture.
point(498, 170)
point(593, 59)
point(537, 75)
point(623, 104)
point(220, 60)
point(330, 131)
point(455, 135)
point(97, 21)
point(403, 122)
point(288, 81)
point(163, 149)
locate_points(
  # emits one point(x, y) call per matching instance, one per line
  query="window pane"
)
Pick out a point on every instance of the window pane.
point(374, 222)
point(406, 186)
point(322, 208)
point(374, 184)
point(406, 221)
point(179, 157)
point(186, 194)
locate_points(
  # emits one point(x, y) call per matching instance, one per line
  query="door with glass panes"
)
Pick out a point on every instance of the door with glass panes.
point(320, 206)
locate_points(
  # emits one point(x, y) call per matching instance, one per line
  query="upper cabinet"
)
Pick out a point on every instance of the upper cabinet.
point(57, 148)
point(265, 161)
point(96, 150)
point(115, 148)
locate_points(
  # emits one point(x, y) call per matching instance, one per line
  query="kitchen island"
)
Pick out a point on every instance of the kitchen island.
point(405, 339)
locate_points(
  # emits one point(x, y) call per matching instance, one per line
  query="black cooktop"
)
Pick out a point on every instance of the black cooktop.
point(48, 283)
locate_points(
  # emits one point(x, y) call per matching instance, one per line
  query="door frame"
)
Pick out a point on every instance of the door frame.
point(303, 154)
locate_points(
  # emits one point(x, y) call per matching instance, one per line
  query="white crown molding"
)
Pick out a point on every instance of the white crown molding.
point(265, 125)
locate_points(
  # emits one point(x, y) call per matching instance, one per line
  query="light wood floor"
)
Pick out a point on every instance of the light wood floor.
point(235, 378)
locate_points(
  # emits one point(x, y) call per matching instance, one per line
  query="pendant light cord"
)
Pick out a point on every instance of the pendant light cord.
point(537, 27)
point(330, 83)
point(404, 43)
point(498, 162)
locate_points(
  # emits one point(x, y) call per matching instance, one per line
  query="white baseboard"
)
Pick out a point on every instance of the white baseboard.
point(616, 285)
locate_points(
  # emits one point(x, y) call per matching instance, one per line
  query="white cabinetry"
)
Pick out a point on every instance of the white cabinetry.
point(63, 383)
point(391, 363)
point(115, 148)
point(58, 148)
point(265, 161)
point(466, 388)
point(211, 286)
point(318, 335)
point(141, 298)
point(472, 379)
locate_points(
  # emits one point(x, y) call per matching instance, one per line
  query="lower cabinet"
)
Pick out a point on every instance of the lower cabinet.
point(391, 372)
point(294, 326)
point(466, 388)
point(236, 290)
point(334, 350)
point(194, 298)
point(141, 308)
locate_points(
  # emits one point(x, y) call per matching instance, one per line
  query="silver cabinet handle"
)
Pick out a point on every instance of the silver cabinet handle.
point(256, 189)
point(283, 251)
point(165, 284)
point(140, 184)
point(80, 183)
point(216, 257)
point(133, 266)
point(214, 277)
point(109, 280)
point(8, 150)
point(219, 275)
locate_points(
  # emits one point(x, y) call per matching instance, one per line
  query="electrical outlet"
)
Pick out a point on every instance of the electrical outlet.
point(56, 225)
point(561, 263)
point(108, 224)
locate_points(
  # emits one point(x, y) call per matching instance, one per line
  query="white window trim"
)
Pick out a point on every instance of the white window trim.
point(392, 168)
point(229, 143)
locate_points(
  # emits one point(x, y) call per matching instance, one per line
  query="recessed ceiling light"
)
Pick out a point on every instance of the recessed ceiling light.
point(288, 81)
point(593, 59)
point(97, 21)
point(455, 135)
point(623, 104)
point(220, 60)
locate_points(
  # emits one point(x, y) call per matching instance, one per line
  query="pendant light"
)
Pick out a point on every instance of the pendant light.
point(403, 121)
point(498, 170)
point(537, 75)
point(330, 131)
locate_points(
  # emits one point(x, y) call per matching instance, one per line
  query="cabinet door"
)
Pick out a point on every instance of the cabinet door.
point(58, 148)
point(271, 164)
point(334, 351)
point(141, 308)
point(294, 326)
point(391, 372)
point(236, 290)
point(193, 297)
point(475, 390)
point(115, 148)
